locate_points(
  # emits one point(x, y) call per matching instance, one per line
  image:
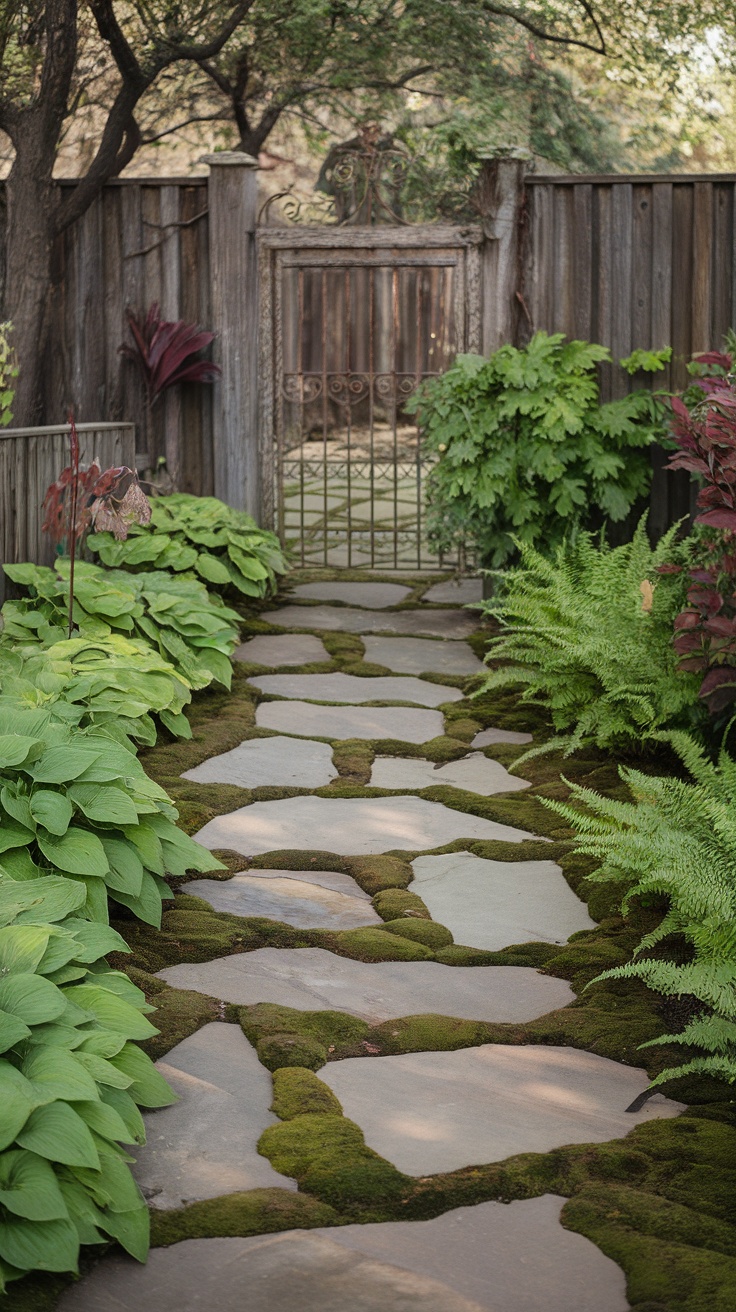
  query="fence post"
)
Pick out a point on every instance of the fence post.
point(500, 198)
point(232, 202)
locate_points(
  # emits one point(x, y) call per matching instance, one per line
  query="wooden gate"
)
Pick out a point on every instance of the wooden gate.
point(351, 321)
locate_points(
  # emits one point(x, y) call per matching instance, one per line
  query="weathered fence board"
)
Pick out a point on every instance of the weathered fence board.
point(30, 460)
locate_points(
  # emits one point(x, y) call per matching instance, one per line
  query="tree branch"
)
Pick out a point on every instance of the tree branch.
point(503, 11)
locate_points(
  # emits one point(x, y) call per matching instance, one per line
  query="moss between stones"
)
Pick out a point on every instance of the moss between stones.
point(427, 932)
point(257, 1212)
point(391, 903)
point(327, 1155)
point(297, 1092)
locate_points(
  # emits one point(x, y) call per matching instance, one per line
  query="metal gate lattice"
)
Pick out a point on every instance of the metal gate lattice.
point(352, 322)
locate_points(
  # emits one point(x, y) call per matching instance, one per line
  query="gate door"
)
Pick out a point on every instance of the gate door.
point(352, 320)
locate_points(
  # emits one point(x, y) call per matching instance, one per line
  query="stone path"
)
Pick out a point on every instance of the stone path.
point(489, 1258)
point(441, 1103)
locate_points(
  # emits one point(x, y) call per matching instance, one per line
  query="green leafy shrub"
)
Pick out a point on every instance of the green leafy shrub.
point(77, 803)
point(71, 1081)
point(525, 449)
point(176, 615)
point(225, 547)
point(678, 838)
point(588, 635)
point(109, 683)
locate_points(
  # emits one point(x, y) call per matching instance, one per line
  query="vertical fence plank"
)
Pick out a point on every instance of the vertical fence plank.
point(702, 258)
point(583, 260)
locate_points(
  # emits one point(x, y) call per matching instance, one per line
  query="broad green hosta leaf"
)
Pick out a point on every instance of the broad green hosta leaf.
point(114, 607)
point(148, 1088)
point(39, 1246)
point(225, 547)
point(31, 998)
point(29, 1188)
point(112, 683)
point(94, 815)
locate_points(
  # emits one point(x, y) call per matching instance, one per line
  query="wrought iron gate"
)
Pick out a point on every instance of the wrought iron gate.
point(352, 320)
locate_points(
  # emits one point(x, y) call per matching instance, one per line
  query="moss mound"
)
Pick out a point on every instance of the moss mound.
point(391, 903)
point(328, 1156)
point(427, 932)
point(299, 1092)
point(257, 1212)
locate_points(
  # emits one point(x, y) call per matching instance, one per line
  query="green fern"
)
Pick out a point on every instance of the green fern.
point(588, 635)
point(677, 839)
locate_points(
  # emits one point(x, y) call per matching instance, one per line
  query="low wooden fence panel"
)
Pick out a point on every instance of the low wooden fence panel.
point(33, 458)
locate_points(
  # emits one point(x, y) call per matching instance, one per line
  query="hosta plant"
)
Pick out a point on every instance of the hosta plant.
point(112, 683)
point(525, 452)
point(180, 619)
point(677, 839)
point(75, 802)
point(588, 635)
point(225, 547)
point(72, 1079)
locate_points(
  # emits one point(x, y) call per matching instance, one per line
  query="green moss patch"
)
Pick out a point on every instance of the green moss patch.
point(327, 1155)
point(429, 933)
point(257, 1212)
point(391, 903)
point(299, 1092)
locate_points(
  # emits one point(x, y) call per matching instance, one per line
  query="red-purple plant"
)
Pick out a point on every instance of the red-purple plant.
point(705, 432)
point(165, 352)
point(84, 497)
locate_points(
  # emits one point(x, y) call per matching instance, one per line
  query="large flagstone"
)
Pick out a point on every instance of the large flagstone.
point(475, 773)
point(440, 1111)
point(276, 649)
point(290, 901)
point(205, 1144)
point(352, 689)
point(349, 826)
point(422, 655)
point(491, 904)
point(374, 596)
point(311, 979)
point(494, 1257)
point(487, 737)
point(407, 724)
point(258, 762)
point(431, 623)
point(455, 592)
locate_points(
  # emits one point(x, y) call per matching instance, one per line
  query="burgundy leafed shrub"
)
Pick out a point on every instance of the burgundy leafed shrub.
point(166, 353)
point(84, 497)
point(705, 432)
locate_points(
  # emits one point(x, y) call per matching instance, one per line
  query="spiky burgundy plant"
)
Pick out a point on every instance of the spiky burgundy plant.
point(167, 353)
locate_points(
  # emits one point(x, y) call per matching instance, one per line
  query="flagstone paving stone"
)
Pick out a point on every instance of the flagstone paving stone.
point(491, 904)
point(351, 689)
point(422, 655)
point(487, 737)
point(349, 826)
point(324, 878)
point(476, 774)
point(406, 724)
point(257, 762)
point(290, 901)
point(375, 596)
point(312, 978)
point(431, 623)
point(455, 592)
point(440, 1111)
point(205, 1144)
point(276, 649)
point(496, 1257)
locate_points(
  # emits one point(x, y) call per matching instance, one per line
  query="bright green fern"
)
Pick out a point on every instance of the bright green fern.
point(588, 635)
point(677, 839)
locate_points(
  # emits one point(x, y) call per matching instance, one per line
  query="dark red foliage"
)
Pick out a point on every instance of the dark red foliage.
point(84, 498)
point(705, 432)
point(165, 352)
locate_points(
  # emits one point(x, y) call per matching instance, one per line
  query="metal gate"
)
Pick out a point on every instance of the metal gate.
point(352, 320)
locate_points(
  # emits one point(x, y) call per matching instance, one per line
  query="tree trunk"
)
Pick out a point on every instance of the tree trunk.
point(29, 240)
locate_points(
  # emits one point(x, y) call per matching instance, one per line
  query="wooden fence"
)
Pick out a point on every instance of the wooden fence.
point(628, 261)
point(30, 460)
